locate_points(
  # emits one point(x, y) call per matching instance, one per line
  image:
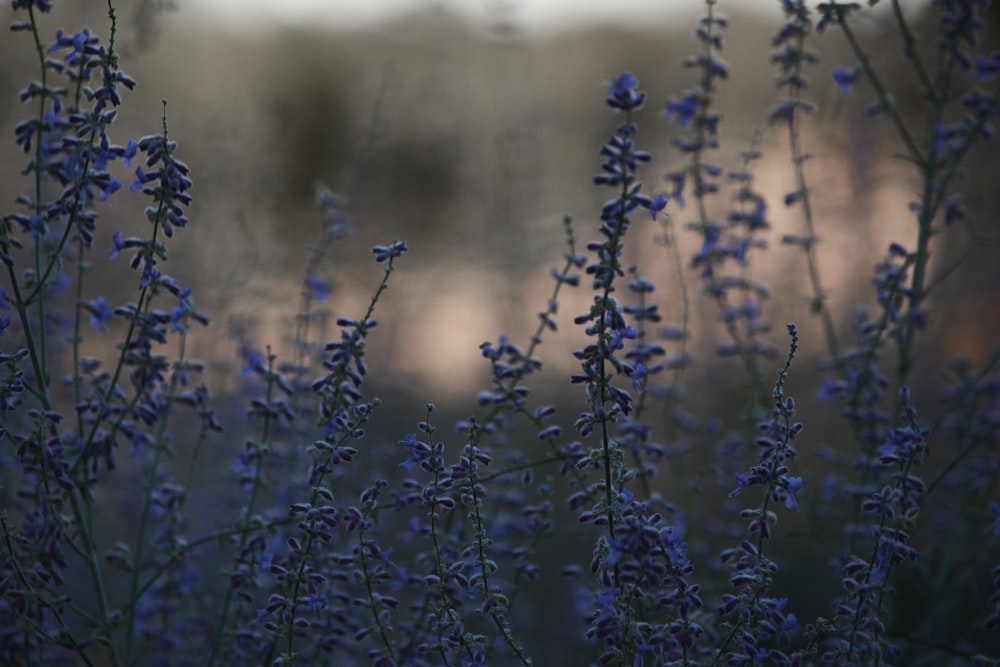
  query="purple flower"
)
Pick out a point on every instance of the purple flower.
point(418, 451)
point(793, 484)
point(4, 312)
point(167, 183)
point(683, 110)
point(742, 482)
point(623, 94)
point(316, 603)
point(658, 203)
point(954, 210)
point(845, 78)
point(40, 5)
point(319, 289)
point(100, 313)
point(391, 251)
point(987, 67)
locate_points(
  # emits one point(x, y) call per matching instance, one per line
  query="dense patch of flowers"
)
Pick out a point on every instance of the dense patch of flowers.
point(331, 557)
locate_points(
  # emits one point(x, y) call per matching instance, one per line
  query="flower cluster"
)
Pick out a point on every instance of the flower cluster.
point(759, 618)
point(337, 542)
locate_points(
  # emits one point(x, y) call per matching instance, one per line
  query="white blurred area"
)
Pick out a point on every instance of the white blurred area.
point(532, 16)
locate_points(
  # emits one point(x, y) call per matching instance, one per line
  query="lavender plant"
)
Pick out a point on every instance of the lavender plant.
point(445, 554)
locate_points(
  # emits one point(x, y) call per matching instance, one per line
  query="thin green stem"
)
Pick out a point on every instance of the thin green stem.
point(818, 303)
point(160, 446)
point(248, 513)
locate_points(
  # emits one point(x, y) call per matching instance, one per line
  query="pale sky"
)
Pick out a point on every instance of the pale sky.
point(526, 14)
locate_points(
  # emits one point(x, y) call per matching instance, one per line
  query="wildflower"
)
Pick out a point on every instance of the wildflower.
point(391, 251)
point(623, 94)
point(684, 109)
point(845, 78)
point(319, 289)
point(100, 313)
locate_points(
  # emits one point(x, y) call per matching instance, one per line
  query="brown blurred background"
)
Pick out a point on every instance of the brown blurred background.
point(471, 141)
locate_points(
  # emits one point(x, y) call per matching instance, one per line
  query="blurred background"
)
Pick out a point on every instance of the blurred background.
point(470, 130)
